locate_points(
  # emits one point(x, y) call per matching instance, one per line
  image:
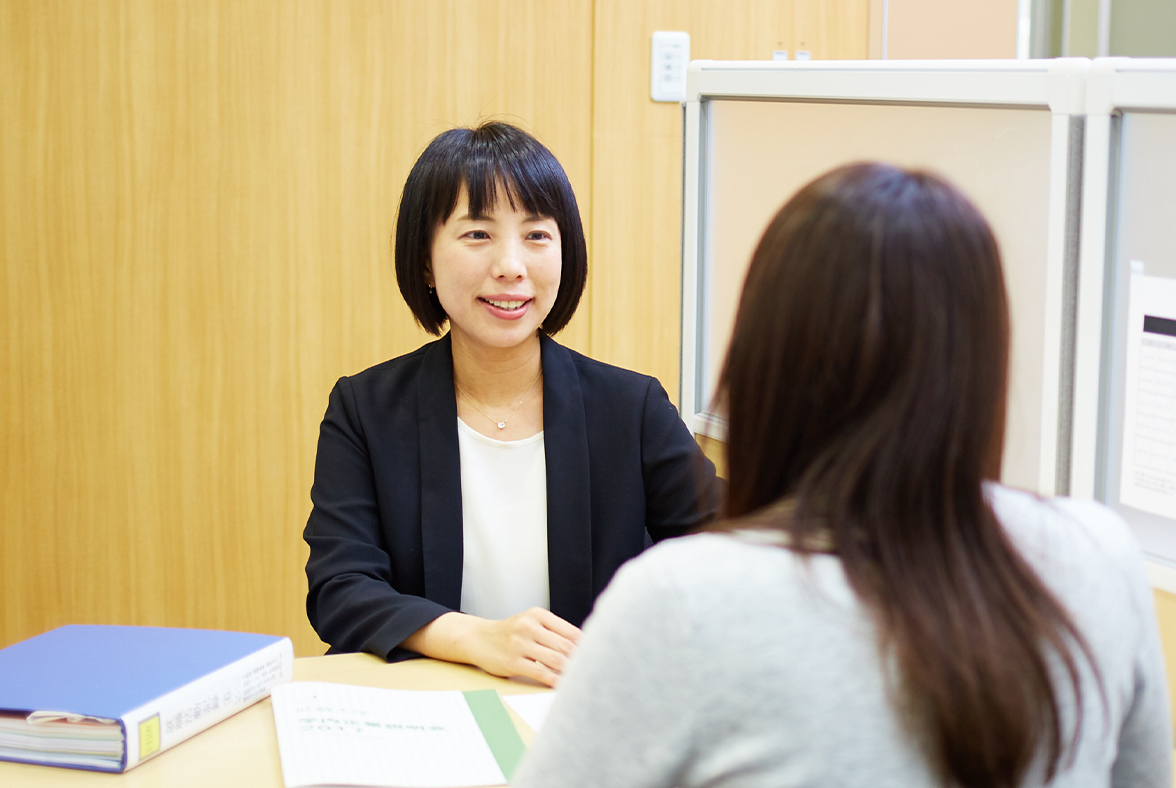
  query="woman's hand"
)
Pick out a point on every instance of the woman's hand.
point(535, 644)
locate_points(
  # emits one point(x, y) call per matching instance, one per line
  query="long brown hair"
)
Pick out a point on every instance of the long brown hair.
point(865, 383)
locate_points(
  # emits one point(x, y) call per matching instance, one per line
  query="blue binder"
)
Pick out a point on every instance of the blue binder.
point(158, 685)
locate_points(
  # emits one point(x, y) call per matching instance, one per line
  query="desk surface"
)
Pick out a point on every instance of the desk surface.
point(243, 750)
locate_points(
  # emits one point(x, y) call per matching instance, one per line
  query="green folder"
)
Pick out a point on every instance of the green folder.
point(497, 728)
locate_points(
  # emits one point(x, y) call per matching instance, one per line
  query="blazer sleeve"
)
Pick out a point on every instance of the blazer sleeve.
point(352, 600)
point(682, 492)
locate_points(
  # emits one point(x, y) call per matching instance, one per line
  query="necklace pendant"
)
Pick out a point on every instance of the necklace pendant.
point(502, 425)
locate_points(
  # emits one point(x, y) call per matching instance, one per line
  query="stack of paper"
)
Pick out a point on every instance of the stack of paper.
point(62, 739)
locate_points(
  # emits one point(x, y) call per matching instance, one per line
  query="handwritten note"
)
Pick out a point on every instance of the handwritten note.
point(339, 734)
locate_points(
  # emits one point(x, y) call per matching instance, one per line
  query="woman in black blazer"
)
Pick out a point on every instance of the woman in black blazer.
point(489, 240)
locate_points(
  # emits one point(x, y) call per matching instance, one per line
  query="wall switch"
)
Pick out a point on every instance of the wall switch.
point(667, 73)
point(779, 54)
point(804, 55)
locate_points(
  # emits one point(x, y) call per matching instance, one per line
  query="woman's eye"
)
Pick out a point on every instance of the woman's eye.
point(478, 235)
point(538, 235)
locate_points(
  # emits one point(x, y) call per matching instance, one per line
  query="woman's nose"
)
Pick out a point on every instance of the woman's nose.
point(508, 263)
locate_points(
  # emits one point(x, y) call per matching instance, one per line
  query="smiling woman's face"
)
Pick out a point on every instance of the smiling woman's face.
point(496, 275)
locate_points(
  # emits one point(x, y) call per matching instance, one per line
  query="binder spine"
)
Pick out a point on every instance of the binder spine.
point(170, 719)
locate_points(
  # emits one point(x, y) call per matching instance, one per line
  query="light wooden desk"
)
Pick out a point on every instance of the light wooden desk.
point(243, 750)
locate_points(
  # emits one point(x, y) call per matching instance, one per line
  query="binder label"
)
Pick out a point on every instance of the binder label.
point(148, 737)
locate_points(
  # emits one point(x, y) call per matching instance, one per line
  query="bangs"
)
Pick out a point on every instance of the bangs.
point(526, 184)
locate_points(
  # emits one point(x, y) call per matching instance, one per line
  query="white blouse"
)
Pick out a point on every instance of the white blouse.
point(504, 524)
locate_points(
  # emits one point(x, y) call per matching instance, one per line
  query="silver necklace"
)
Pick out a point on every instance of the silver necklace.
point(501, 424)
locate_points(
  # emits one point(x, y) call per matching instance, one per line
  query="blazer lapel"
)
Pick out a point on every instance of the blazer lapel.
point(441, 521)
point(569, 505)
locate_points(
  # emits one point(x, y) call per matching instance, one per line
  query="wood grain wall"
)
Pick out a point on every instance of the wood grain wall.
point(195, 207)
point(195, 220)
point(637, 153)
point(943, 29)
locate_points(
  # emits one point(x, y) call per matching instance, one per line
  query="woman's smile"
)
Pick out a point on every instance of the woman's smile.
point(507, 308)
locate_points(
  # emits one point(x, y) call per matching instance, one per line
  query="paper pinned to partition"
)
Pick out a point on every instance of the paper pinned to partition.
point(339, 734)
point(1148, 479)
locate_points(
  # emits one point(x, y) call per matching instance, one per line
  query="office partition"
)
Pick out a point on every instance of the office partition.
point(1008, 133)
point(1124, 446)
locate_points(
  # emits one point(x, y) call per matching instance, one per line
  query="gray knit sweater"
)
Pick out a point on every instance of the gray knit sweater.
point(719, 660)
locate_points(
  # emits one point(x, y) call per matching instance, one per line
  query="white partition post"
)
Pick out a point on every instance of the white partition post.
point(1127, 276)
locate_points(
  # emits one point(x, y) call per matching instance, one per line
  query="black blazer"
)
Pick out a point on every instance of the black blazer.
point(385, 533)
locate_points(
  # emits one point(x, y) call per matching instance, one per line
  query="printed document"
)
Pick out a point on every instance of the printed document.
point(1148, 480)
point(339, 734)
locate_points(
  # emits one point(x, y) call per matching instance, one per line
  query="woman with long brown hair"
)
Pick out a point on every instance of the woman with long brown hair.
point(876, 609)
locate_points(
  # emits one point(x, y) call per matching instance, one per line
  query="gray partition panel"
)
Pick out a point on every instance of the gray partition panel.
point(1008, 134)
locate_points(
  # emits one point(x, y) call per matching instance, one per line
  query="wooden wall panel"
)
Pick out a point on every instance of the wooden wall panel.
point(195, 210)
point(637, 153)
point(931, 29)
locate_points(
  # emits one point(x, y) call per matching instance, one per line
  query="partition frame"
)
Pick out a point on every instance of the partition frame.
point(1114, 86)
point(1054, 85)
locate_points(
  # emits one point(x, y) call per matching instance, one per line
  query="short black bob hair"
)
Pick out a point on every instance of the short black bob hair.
point(482, 159)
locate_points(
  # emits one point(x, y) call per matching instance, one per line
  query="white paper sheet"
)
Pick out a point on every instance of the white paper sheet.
point(338, 734)
point(1148, 480)
point(532, 707)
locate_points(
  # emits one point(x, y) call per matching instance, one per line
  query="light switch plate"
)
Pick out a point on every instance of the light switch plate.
point(667, 72)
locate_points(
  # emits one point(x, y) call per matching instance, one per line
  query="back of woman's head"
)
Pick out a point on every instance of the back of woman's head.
point(865, 383)
point(873, 330)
